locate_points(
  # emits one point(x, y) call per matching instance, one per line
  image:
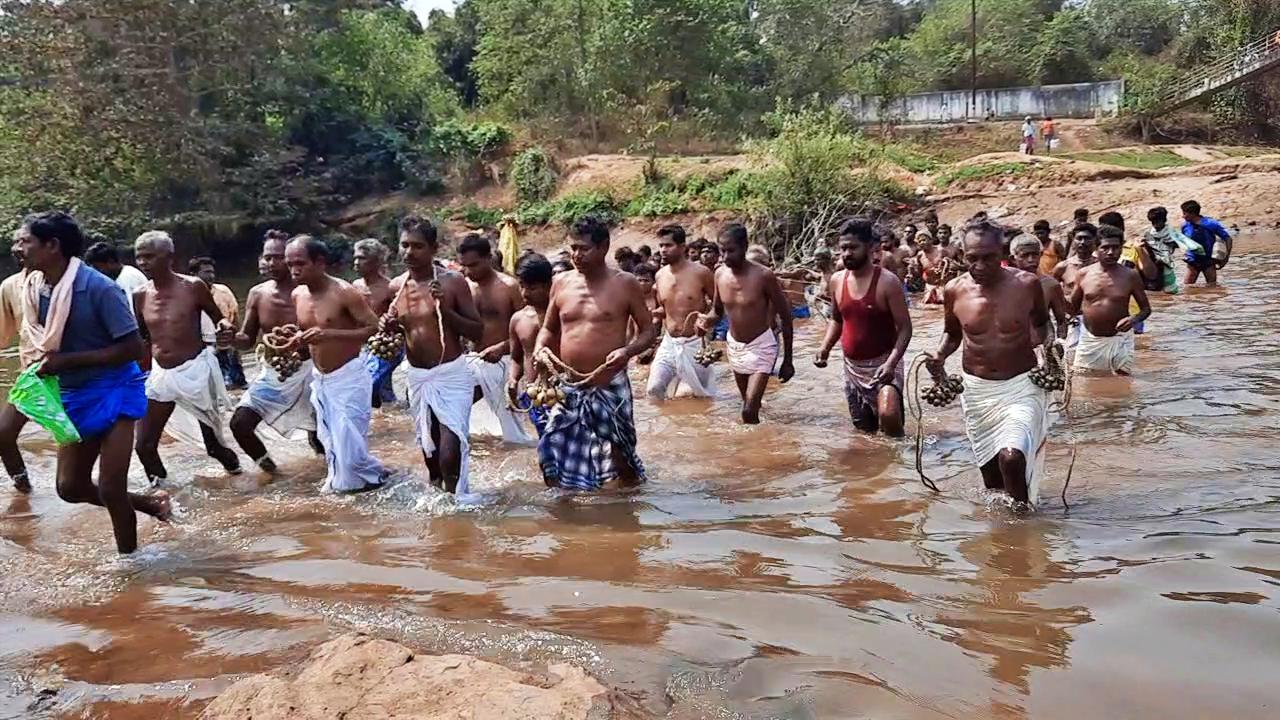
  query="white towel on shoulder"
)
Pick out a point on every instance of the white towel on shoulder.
point(343, 401)
point(1111, 354)
point(490, 415)
point(443, 393)
point(674, 367)
point(1013, 413)
point(284, 405)
point(755, 357)
point(199, 393)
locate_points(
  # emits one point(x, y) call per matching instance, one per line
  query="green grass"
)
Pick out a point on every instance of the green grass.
point(970, 173)
point(1136, 159)
point(1243, 151)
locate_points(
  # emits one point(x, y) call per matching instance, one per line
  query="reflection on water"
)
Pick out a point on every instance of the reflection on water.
point(790, 570)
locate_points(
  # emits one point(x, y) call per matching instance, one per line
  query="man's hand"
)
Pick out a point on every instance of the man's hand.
point(613, 364)
point(513, 392)
point(936, 366)
point(436, 289)
point(787, 371)
point(1125, 324)
point(390, 323)
point(225, 332)
point(820, 358)
point(494, 353)
point(51, 364)
point(310, 336)
point(885, 373)
point(705, 323)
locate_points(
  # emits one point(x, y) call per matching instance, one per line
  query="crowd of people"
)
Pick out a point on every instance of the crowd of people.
point(543, 351)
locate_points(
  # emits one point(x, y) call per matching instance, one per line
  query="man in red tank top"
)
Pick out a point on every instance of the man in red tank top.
point(869, 317)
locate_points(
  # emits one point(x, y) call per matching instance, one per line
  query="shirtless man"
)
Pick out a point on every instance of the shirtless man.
point(590, 440)
point(370, 260)
point(685, 290)
point(929, 260)
point(1084, 239)
point(185, 374)
point(752, 298)
point(285, 405)
point(436, 311)
point(335, 322)
point(497, 297)
point(993, 312)
point(1101, 295)
point(869, 317)
point(1026, 251)
point(534, 274)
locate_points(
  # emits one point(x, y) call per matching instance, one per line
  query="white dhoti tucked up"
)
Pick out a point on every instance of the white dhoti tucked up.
point(674, 367)
point(343, 403)
point(443, 393)
point(491, 414)
point(284, 405)
point(755, 357)
point(199, 393)
point(1014, 414)
point(1112, 354)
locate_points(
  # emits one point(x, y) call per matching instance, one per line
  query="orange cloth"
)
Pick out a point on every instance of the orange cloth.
point(1049, 259)
point(226, 302)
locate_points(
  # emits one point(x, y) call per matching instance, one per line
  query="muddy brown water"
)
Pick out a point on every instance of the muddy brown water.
point(791, 570)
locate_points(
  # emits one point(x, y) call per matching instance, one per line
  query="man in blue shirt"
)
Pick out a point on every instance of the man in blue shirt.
point(97, 370)
point(1206, 231)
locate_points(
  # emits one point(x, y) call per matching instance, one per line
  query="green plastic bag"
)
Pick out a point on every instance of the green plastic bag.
point(40, 399)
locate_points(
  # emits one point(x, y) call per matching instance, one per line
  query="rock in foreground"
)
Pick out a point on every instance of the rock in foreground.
point(356, 677)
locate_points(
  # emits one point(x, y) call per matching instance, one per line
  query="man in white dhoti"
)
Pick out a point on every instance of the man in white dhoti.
point(284, 404)
point(1102, 297)
point(336, 321)
point(435, 311)
point(497, 297)
point(753, 299)
point(685, 289)
point(185, 374)
point(993, 312)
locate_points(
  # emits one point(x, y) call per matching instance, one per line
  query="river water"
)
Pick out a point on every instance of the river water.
point(790, 570)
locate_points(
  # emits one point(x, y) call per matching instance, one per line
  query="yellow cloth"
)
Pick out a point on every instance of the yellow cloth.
point(1049, 259)
point(11, 303)
point(1129, 256)
point(509, 246)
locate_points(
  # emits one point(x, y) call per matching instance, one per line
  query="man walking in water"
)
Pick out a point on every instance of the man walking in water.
point(1207, 232)
point(185, 375)
point(993, 311)
point(435, 310)
point(753, 299)
point(283, 403)
point(80, 322)
point(1084, 239)
point(11, 322)
point(685, 289)
point(1101, 296)
point(591, 437)
point(370, 259)
point(1026, 251)
point(534, 273)
point(869, 317)
point(497, 297)
point(228, 356)
point(335, 322)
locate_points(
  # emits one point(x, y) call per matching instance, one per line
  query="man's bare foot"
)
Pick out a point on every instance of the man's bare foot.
point(750, 417)
point(22, 483)
point(267, 465)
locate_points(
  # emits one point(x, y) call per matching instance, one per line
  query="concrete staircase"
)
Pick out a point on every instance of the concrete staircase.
point(1243, 64)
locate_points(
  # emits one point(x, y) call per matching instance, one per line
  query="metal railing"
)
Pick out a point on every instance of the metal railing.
point(1240, 64)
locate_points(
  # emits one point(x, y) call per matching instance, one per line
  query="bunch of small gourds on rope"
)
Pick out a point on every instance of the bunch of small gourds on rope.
point(1052, 374)
point(554, 375)
point(275, 350)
